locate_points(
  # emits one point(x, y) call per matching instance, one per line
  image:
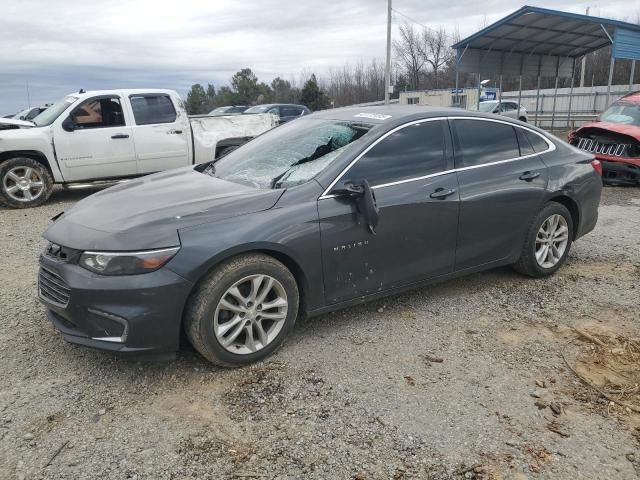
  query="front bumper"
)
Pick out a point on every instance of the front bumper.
point(620, 171)
point(128, 314)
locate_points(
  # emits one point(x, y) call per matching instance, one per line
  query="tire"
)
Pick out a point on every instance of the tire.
point(21, 169)
point(204, 310)
point(528, 264)
point(523, 119)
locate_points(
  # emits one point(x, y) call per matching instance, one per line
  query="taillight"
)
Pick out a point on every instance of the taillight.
point(597, 166)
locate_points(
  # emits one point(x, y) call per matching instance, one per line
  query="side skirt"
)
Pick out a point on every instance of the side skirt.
point(412, 286)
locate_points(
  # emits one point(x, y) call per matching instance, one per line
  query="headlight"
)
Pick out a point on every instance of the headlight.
point(126, 263)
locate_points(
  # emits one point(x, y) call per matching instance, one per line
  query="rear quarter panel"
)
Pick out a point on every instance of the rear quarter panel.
point(572, 175)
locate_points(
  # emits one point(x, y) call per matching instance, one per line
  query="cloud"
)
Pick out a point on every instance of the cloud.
point(60, 46)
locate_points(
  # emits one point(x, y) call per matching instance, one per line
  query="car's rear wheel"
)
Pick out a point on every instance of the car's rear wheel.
point(523, 119)
point(24, 183)
point(242, 310)
point(548, 242)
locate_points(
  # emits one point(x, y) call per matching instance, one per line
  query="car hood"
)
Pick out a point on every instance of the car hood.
point(148, 212)
point(14, 122)
point(622, 128)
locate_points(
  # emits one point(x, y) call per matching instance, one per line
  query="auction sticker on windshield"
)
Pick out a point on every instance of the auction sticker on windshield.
point(376, 116)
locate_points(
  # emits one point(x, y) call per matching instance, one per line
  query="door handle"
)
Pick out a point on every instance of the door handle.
point(120, 135)
point(441, 193)
point(174, 131)
point(529, 176)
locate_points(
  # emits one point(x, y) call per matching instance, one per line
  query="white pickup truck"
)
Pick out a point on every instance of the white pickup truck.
point(97, 138)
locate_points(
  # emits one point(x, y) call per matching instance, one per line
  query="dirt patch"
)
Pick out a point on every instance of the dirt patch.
point(608, 365)
point(526, 333)
point(46, 423)
point(612, 364)
point(600, 270)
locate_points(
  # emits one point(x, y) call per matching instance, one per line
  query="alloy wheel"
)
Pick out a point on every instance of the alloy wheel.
point(23, 184)
point(250, 314)
point(551, 241)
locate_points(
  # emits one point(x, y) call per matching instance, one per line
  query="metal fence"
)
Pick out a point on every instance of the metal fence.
point(566, 109)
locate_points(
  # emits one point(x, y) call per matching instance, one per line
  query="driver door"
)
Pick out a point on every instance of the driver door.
point(416, 189)
point(96, 141)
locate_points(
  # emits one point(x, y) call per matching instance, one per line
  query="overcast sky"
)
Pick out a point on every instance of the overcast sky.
point(59, 46)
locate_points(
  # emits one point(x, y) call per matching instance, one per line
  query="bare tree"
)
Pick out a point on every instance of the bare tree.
point(408, 52)
point(435, 50)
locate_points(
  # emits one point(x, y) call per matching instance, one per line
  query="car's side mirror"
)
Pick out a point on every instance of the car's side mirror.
point(347, 187)
point(68, 124)
point(365, 199)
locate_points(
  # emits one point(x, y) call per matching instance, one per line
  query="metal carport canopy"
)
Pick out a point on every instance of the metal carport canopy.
point(539, 41)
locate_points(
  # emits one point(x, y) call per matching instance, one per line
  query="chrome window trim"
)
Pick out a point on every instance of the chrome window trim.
point(325, 194)
point(439, 174)
point(549, 143)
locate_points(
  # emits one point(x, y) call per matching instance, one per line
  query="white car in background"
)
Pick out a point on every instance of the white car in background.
point(506, 107)
point(31, 112)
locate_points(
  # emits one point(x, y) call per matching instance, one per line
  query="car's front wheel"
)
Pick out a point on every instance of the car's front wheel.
point(24, 183)
point(548, 242)
point(242, 310)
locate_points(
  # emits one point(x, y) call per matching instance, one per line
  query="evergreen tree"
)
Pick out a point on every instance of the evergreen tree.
point(196, 103)
point(211, 97)
point(245, 84)
point(312, 96)
point(283, 92)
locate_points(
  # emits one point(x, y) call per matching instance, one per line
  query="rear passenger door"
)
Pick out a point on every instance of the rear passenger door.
point(502, 187)
point(160, 133)
point(410, 171)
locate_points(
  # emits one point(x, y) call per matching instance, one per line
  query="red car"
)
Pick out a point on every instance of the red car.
point(614, 140)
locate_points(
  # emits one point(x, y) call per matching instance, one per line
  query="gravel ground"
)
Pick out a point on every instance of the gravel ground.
point(437, 383)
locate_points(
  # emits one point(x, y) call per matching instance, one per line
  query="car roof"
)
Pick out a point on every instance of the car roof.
point(390, 113)
point(278, 105)
point(122, 91)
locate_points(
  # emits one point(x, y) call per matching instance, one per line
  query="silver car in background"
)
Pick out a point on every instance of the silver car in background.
point(507, 108)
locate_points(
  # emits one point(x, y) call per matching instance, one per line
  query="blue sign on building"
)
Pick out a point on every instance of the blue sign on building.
point(488, 94)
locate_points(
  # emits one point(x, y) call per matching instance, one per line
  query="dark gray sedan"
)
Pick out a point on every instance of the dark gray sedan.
point(337, 208)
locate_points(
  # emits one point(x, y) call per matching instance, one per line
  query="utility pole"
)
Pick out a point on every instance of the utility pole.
point(584, 63)
point(387, 67)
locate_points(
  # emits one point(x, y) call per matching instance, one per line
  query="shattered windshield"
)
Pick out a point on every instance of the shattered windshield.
point(622, 113)
point(288, 155)
point(50, 114)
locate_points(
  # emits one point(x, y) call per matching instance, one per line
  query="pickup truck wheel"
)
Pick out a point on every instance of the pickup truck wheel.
point(24, 183)
point(242, 310)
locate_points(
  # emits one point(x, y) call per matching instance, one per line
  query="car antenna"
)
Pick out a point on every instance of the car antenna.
point(82, 90)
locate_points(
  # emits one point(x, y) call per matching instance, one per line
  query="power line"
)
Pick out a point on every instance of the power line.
point(411, 19)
